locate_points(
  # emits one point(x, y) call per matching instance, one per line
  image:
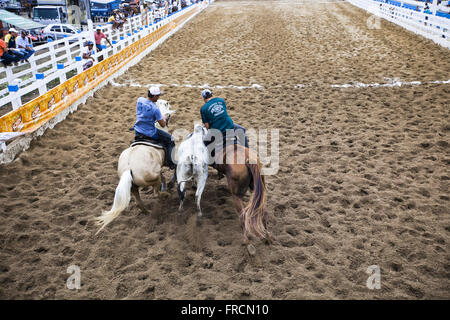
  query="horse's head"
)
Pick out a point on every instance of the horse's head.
point(200, 129)
point(164, 107)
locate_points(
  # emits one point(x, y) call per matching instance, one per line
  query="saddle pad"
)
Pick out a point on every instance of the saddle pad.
point(146, 143)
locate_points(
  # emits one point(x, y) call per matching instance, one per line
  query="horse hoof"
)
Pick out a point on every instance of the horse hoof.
point(251, 249)
point(199, 222)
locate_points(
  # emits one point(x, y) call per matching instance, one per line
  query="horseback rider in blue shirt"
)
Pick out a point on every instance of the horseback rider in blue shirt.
point(147, 113)
point(214, 116)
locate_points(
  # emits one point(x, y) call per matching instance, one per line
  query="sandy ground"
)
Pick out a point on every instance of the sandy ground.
point(363, 176)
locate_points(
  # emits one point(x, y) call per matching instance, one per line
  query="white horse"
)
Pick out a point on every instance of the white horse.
point(139, 166)
point(193, 164)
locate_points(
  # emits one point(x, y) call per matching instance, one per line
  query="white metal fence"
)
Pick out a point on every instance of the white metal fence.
point(427, 25)
point(56, 61)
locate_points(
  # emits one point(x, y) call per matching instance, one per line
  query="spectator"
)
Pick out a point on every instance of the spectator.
point(99, 35)
point(9, 34)
point(10, 40)
point(87, 54)
point(115, 20)
point(122, 16)
point(5, 56)
point(24, 45)
point(166, 8)
point(112, 19)
point(119, 18)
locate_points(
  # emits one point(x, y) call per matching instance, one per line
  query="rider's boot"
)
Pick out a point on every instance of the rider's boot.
point(170, 162)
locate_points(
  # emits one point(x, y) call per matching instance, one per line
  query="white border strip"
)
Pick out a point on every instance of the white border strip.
point(390, 83)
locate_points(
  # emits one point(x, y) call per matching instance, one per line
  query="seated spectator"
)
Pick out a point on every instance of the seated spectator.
point(10, 40)
point(5, 56)
point(123, 16)
point(87, 54)
point(115, 20)
point(24, 45)
point(112, 19)
point(119, 19)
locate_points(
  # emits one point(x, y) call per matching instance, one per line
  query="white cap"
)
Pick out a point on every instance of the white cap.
point(206, 94)
point(13, 30)
point(155, 91)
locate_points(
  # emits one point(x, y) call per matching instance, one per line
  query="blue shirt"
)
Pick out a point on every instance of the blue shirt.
point(215, 113)
point(147, 113)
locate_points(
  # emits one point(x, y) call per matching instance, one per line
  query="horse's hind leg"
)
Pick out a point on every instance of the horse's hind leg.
point(199, 213)
point(198, 195)
point(172, 181)
point(163, 194)
point(157, 187)
point(181, 195)
point(135, 191)
point(239, 208)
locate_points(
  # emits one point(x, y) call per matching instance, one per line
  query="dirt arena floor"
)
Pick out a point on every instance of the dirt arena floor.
point(363, 178)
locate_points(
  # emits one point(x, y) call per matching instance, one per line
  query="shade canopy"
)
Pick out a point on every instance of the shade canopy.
point(18, 21)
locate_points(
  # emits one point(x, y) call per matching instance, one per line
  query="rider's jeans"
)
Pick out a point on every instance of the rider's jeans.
point(168, 142)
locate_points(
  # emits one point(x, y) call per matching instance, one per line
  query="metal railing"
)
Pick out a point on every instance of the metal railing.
point(425, 24)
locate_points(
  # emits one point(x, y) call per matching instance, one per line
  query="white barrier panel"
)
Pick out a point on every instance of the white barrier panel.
point(59, 59)
point(427, 25)
point(33, 118)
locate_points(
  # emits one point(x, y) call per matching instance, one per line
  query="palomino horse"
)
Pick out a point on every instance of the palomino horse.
point(242, 175)
point(139, 166)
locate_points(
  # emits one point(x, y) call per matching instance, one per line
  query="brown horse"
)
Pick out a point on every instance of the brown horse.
point(242, 169)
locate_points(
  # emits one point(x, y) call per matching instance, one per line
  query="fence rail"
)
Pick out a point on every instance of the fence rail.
point(20, 126)
point(425, 24)
point(56, 61)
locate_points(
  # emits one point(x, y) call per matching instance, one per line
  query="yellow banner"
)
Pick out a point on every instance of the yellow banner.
point(37, 112)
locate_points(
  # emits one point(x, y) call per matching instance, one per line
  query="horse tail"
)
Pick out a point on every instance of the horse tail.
point(121, 200)
point(253, 214)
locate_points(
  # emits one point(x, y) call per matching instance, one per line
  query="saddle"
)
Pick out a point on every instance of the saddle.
point(146, 141)
point(149, 142)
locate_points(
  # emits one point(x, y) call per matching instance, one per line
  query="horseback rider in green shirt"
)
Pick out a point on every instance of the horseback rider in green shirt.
point(214, 116)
